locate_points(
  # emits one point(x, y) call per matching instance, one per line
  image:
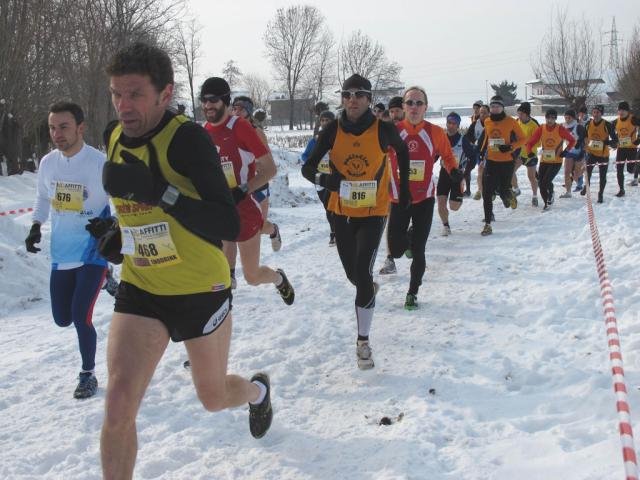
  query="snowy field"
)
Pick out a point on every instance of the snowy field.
point(502, 373)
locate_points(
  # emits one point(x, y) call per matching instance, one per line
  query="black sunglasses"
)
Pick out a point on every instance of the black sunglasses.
point(211, 98)
point(411, 103)
point(347, 95)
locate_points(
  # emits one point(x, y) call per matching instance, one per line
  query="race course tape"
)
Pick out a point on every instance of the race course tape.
point(16, 212)
point(615, 353)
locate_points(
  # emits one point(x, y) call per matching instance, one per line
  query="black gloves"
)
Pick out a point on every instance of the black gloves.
point(563, 153)
point(456, 175)
point(34, 237)
point(637, 141)
point(404, 199)
point(133, 180)
point(504, 148)
point(531, 155)
point(107, 231)
point(239, 193)
point(331, 181)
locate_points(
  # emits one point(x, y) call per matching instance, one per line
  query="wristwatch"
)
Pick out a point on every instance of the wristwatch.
point(169, 197)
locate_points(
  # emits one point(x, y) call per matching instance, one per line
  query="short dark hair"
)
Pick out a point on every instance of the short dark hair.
point(143, 59)
point(73, 108)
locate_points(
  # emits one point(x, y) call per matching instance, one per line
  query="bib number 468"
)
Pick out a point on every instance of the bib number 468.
point(149, 250)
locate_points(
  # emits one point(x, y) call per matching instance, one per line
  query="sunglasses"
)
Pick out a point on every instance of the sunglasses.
point(347, 94)
point(211, 98)
point(411, 103)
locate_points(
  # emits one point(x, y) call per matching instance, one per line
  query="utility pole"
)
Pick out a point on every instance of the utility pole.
point(614, 54)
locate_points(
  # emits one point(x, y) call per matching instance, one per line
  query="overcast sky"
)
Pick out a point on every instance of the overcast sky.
point(451, 48)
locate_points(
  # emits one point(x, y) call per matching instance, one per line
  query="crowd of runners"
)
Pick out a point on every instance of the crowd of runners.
point(174, 202)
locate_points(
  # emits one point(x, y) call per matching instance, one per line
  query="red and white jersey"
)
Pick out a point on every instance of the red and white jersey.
point(425, 141)
point(238, 145)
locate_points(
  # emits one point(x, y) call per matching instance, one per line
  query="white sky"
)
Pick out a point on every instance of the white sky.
point(449, 47)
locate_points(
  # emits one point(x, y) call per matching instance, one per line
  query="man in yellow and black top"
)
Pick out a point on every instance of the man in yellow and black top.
point(528, 125)
point(600, 137)
point(359, 185)
point(626, 128)
point(173, 209)
point(501, 138)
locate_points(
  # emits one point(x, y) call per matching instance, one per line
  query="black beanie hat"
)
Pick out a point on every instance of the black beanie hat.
point(380, 106)
point(395, 102)
point(624, 106)
point(497, 99)
point(600, 108)
point(477, 103)
point(552, 112)
point(570, 113)
point(328, 114)
point(216, 86)
point(525, 107)
point(358, 82)
point(583, 109)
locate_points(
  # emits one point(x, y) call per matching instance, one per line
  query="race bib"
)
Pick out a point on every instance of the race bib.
point(150, 245)
point(494, 144)
point(549, 155)
point(68, 197)
point(596, 145)
point(358, 194)
point(625, 142)
point(229, 174)
point(323, 166)
point(416, 170)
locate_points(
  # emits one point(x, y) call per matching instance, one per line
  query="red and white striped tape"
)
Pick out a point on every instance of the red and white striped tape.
point(615, 353)
point(617, 162)
point(18, 211)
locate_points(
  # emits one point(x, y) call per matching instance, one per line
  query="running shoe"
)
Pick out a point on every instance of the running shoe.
point(261, 415)
point(411, 302)
point(389, 267)
point(620, 193)
point(234, 282)
point(364, 355)
point(534, 202)
point(87, 385)
point(276, 240)
point(332, 240)
point(566, 195)
point(546, 207)
point(478, 195)
point(446, 230)
point(634, 182)
point(285, 289)
point(513, 202)
point(578, 187)
point(487, 230)
point(552, 198)
point(600, 197)
point(583, 191)
point(517, 192)
point(467, 193)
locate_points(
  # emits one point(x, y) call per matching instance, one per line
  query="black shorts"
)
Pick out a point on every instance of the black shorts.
point(185, 316)
point(446, 187)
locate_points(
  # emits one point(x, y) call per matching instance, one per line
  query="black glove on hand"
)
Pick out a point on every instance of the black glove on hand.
point(456, 175)
point(239, 193)
point(504, 148)
point(110, 244)
point(637, 141)
point(133, 180)
point(404, 200)
point(331, 181)
point(98, 227)
point(34, 237)
point(563, 153)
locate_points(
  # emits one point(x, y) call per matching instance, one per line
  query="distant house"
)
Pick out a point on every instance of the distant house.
point(545, 94)
point(302, 109)
point(463, 111)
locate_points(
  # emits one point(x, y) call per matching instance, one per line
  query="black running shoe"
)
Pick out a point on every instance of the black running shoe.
point(620, 193)
point(260, 415)
point(87, 386)
point(285, 289)
point(600, 197)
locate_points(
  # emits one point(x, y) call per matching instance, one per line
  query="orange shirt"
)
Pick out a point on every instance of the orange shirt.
point(500, 133)
point(627, 133)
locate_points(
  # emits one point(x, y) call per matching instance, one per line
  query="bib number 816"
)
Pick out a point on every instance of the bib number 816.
point(149, 250)
point(358, 195)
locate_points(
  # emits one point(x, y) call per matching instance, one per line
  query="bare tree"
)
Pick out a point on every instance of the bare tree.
point(231, 73)
point(189, 43)
point(291, 39)
point(259, 89)
point(628, 75)
point(364, 56)
point(569, 59)
point(321, 75)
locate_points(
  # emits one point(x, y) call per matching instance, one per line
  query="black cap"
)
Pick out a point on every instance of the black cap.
point(328, 114)
point(497, 99)
point(395, 102)
point(599, 108)
point(624, 106)
point(216, 86)
point(583, 109)
point(525, 107)
point(380, 106)
point(552, 112)
point(477, 103)
point(570, 113)
point(358, 82)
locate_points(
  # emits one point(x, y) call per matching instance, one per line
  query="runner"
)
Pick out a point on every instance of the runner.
point(528, 125)
point(551, 136)
point(175, 278)
point(247, 164)
point(626, 127)
point(499, 146)
point(243, 107)
point(378, 110)
point(357, 145)
point(69, 187)
point(574, 160)
point(395, 109)
point(583, 118)
point(600, 136)
point(476, 111)
point(326, 117)
point(473, 135)
point(462, 151)
point(425, 142)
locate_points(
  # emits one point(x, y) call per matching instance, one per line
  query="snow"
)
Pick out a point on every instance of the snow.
point(503, 372)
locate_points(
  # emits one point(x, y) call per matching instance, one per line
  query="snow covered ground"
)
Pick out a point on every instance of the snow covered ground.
point(502, 373)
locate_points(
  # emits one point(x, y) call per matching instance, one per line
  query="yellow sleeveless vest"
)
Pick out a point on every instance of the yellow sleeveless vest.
point(160, 255)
